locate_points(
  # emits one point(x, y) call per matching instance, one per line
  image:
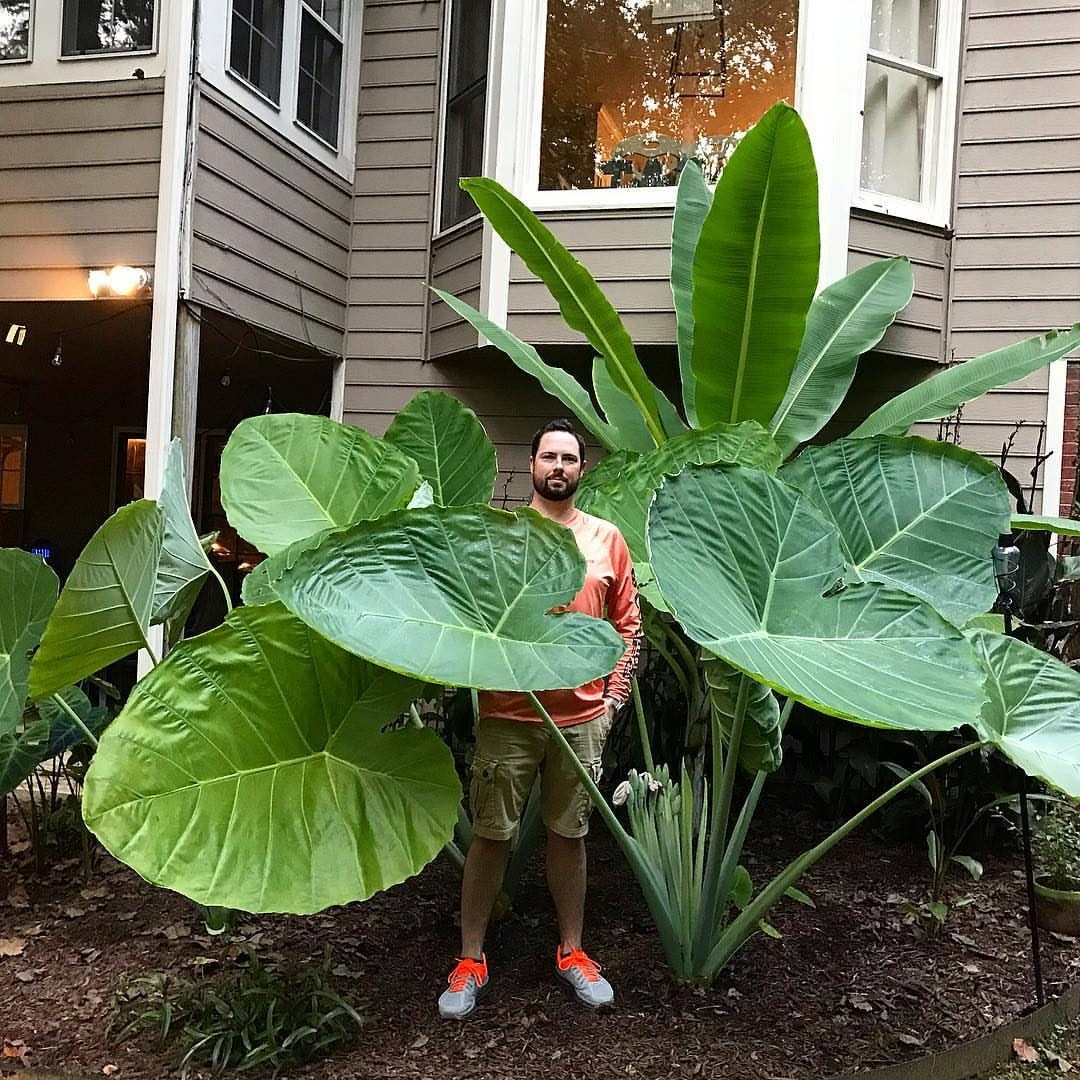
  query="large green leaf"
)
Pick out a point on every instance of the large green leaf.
point(25, 603)
point(1063, 526)
point(554, 380)
point(942, 393)
point(450, 446)
point(1032, 709)
point(104, 609)
point(692, 201)
point(749, 567)
point(846, 320)
point(250, 770)
point(458, 595)
point(759, 749)
point(20, 753)
point(624, 416)
point(583, 306)
point(64, 733)
point(755, 271)
point(288, 476)
point(621, 489)
point(921, 516)
point(184, 565)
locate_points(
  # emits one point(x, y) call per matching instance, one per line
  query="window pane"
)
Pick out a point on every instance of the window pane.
point(905, 28)
point(318, 91)
point(98, 26)
point(255, 51)
point(634, 89)
point(894, 132)
point(14, 29)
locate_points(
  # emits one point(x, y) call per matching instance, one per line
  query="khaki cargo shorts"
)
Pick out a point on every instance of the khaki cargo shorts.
point(508, 756)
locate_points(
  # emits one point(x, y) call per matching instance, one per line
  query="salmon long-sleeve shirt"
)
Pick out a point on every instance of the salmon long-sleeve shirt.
point(609, 592)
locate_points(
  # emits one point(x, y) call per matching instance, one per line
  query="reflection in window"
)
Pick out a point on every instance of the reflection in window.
point(318, 89)
point(14, 29)
point(902, 83)
point(12, 466)
point(107, 26)
point(635, 88)
point(255, 44)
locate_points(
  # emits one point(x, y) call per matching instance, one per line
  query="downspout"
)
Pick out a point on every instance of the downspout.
point(954, 194)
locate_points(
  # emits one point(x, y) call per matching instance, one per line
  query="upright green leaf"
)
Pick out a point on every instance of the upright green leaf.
point(621, 412)
point(1063, 526)
point(759, 750)
point(251, 770)
point(286, 476)
point(26, 599)
point(755, 271)
point(749, 567)
point(583, 306)
point(450, 446)
point(554, 380)
point(459, 595)
point(942, 393)
point(846, 320)
point(1032, 709)
point(184, 565)
point(692, 201)
point(64, 733)
point(921, 516)
point(104, 610)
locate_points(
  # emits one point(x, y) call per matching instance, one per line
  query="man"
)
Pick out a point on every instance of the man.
point(512, 745)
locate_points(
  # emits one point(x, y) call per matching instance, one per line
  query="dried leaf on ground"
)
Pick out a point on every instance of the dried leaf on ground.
point(12, 946)
point(110, 1070)
point(1025, 1051)
point(17, 1050)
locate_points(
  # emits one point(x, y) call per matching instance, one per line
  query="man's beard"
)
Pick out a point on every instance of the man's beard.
point(555, 494)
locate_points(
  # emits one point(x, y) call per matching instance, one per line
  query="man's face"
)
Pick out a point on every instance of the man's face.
point(556, 468)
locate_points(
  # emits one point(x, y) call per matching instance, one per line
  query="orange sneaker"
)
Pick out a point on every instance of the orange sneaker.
point(584, 976)
point(466, 981)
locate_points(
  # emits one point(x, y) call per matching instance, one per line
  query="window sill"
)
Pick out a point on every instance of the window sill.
point(252, 89)
point(602, 199)
point(115, 54)
point(457, 227)
point(317, 137)
point(17, 60)
point(887, 206)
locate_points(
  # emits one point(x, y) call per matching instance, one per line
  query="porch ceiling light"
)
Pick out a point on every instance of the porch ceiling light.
point(119, 281)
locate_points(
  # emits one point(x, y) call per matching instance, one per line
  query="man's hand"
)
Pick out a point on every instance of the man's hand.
point(610, 709)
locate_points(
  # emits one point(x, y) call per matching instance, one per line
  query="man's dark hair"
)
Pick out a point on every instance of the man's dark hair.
point(559, 425)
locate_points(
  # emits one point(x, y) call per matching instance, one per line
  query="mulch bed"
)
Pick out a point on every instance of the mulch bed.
point(852, 984)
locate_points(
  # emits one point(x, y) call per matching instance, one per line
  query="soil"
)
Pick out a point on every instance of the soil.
point(852, 984)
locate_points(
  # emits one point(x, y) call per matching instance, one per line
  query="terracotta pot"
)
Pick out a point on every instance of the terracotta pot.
point(1057, 909)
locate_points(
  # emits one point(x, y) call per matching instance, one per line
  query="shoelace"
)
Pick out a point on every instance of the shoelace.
point(459, 977)
point(589, 968)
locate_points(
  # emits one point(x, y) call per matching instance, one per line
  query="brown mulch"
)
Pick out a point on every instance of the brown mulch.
point(852, 984)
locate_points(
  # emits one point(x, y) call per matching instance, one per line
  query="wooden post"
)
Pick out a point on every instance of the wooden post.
point(186, 383)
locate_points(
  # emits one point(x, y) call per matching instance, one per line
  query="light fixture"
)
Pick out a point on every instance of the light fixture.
point(16, 334)
point(119, 281)
point(58, 356)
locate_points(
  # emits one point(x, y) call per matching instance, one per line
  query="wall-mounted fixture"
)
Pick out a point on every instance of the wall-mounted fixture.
point(119, 281)
point(16, 334)
point(58, 356)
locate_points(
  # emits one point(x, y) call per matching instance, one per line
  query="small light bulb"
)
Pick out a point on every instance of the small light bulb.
point(58, 356)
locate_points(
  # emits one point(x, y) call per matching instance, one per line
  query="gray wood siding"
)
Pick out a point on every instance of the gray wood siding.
point(1016, 252)
point(455, 268)
point(78, 183)
point(270, 228)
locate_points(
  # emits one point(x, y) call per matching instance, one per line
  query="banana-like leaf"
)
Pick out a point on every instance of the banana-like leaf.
point(184, 565)
point(1032, 709)
point(104, 609)
point(846, 320)
point(919, 515)
point(749, 567)
point(250, 770)
point(621, 412)
point(692, 201)
point(458, 595)
point(26, 600)
point(942, 393)
point(755, 271)
point(20, 753)
point(583, 306)
point(759, 750)
point(554, 380)
point(450, 446)
point(622, 491)
point(287, 476)
point(1040, 523)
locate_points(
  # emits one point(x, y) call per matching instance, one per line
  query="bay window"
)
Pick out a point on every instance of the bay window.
point(15, 16)
point(96, 27)
point(318, 87)
point(255, 44)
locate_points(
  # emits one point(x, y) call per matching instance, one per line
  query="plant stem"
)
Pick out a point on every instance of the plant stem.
point(414, 716)
point(643, 730)
point(224, 588)
point(76, 719)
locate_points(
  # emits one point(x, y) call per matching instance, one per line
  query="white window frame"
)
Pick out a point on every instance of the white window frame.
point(247, 83)
point(301, 7)
point(18, 429)
point(29, 57)
point(935, 205)
point(112, 54)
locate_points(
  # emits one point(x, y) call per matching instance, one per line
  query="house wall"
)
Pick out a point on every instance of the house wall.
point(78, 183)
point(270, 228)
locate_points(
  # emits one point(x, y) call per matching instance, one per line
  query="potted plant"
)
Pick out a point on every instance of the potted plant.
point(1057, 886)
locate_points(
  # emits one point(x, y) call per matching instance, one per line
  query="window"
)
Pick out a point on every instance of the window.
point(12, 466)
point(633, 89)
point(318, 89)
point(14, 30)
point(107, 26)
point(466, 99)
point(255, 44)
point(904, 102)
